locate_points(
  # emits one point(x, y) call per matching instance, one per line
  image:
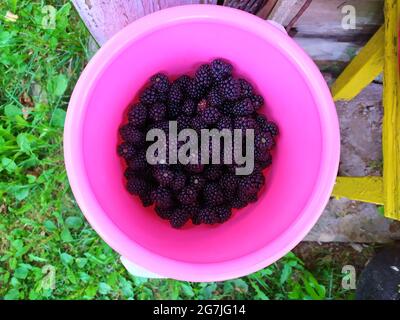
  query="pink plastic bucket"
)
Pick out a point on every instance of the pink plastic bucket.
point(299, 182)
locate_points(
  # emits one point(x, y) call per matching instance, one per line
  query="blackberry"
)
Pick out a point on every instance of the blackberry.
point(222, 213)
point(183, 82)
point(175, 94)
point(220, 69)
point(263, 140)
point(197, 182)
point(164, 213)
point(213, 172)
point(136, 186)
point(179, 218)
point(257, 101)
point(203, 76)
point(163, 125)
point(188, 107)
point(138, 161)
point(162, 197)
point(202, 105)
point(157, 112)
point(213, 195)
point(243, 108)
point(244, 123)
point(265, 163)
point(262, 122)
point(272, 128)
point(194, 167)
point(195, 89)
point(183, 122)
point(226, 108)
point(210, 115)
point(198, 123)
point(196, 219)
point(207, 216)
point(214, 98)
point(146, 199)
point(132, 135)
point(230, 89)
point(129, 173)
point(187, 195)
point(137, 115)
point(225, 122)
point(160, 82)
point(238, 203)
point(149, 96)
point(262, 155)
point(246, 89)
point(173, 111)
point(126, 150)
point(164, 177)
point(179, 181)
point(228, 182)
point(251, 184)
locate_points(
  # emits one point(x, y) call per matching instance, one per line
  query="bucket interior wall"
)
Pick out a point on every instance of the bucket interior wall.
point(296, 160)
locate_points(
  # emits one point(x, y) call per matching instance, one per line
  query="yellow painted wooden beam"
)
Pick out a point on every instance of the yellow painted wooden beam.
point(391, 120)
point(362, 70)
point(366, 189)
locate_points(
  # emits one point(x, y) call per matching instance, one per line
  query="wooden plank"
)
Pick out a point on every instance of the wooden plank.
point(265, 11)
point(324, 19)
point(251, 6)
point(391, 120)
point(285, 10)
point(363, 69)
point(105, 18)
point(365, 189)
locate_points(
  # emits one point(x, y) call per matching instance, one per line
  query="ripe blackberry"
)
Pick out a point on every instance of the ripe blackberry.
point(246, 89)
point(183, 122)
point(136, 186)
point(243, 108)
point(238, 203)
point(272, 128)
point(157, 112)
point(263, 140)
point(138, 161)
point(188, 107)
point(179, 218)
point(173, 111)
point(213, 195)
point(163, 125)
point(261, 164)
point(230, 89)
point(207, 216)
point(162, 197)
point(129, 173)
point(262, 155)
point(226, 108)
point(149, 96)
point(203, 76)
point(225, 122)
point(175, 94)
point(195, 90)
point(164, 177)
point(229, 182)
point(251, 184)
point(262, 122)
point(194, 167)
point(198, 123)
point(179, 181)
point(126, 150)
point(196, 219)
point(214, 98)
point(223, 213)
point(197, 182)
point(164, 213)
point(257, 101)
point(160, 82)
point(132, 135)
point(187, 195)
point(183, 82)
point(210, 115)
point(137, 115)
point(213, 172)
point(244, 123)
point(146, 199)
point(220, 70)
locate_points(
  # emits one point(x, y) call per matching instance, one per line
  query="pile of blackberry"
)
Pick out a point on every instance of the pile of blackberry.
point(212, 98)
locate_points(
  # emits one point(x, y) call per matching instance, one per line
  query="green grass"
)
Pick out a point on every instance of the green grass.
point(42, 231)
